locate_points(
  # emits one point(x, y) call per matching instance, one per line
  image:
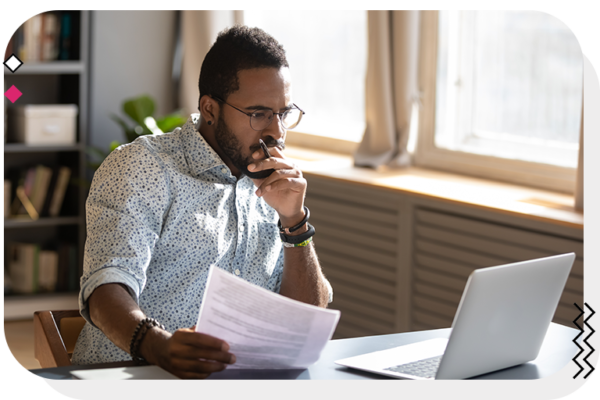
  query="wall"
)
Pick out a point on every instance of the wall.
point(131, 54)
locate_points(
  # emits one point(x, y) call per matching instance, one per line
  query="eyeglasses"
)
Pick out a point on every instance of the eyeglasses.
point(261, 119)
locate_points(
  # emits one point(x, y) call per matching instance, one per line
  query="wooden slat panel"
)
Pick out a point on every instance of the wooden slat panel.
point(437, 293)
point(364, 281)
point(436, 307)
point(373, 326)
point(324, 243)
point(568, 313)
point(342, 191)
point(349, 213)
point(459, 255)
point(575, 284)
point(548, 243)
point(345, 330)
point(577, 268)
point(443, 265)
point(387, 245)
point(434, 321)
point(449, 248)
point(381, 304)
point(444, 281)
point(330, 260)
point(477, 244)
point(321, 218)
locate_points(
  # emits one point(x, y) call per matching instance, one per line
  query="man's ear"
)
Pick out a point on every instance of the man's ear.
point(209, 108)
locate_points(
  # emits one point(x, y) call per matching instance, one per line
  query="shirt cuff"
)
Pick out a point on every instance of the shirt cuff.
point(102, 277)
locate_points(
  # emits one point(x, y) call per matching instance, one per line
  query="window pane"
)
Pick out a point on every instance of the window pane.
point(509, 85)
point(327, 53)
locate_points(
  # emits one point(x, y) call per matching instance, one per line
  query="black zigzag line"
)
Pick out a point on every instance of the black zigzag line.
point(575, 341)
point(585, 321)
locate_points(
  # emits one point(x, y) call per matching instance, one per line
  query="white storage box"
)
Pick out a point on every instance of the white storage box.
point(50, 124)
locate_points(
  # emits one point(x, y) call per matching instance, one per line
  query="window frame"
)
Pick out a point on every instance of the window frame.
point(315, 140)
point(427, 155)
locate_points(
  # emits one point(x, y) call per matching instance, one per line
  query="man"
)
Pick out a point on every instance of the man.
point(165, 208)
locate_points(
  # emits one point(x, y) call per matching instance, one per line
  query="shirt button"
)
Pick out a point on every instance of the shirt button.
point(241, 228)
point(224, 170)
point(237, 272)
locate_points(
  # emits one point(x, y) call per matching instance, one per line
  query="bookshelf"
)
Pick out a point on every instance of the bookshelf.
point(52, 82)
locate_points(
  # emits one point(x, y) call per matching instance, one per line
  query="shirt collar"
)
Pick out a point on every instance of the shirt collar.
point(199, 155)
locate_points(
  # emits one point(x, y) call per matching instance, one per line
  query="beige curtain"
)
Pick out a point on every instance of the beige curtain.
point(199, 31)
point(391, 88)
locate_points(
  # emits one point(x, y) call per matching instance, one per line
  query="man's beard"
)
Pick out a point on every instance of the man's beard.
point(233, 149)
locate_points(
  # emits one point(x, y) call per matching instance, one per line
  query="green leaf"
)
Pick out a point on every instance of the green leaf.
point(169, 122)
point(119, 121)
point(130, 135)
point(139, 108)
point(113, 145)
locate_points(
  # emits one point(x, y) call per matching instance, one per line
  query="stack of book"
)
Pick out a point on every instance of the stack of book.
point(39, 192)
point(44, 37)
point(32, 269)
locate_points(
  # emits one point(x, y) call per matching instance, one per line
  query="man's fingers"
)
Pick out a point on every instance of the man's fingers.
point(197, 339)
point(275, 163)
point(282, 179)
point(194, 353)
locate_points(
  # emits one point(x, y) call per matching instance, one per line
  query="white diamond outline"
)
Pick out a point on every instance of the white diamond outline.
point(9, 64)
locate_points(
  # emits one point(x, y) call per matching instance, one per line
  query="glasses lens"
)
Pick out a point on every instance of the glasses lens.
point(291, 118)
point(261, 119)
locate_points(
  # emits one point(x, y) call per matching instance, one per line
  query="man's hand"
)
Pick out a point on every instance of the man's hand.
point(191, 355)
point(284, 189)
point(185, 353)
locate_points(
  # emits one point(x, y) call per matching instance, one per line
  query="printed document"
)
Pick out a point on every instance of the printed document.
point(264, 329)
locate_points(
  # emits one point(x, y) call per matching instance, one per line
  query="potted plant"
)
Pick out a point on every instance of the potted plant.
point(140, 110)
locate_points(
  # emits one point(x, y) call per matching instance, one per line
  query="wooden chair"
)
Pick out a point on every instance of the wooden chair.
point(54, 336)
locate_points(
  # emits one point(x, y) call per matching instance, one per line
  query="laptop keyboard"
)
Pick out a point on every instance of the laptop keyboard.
point(423, 368)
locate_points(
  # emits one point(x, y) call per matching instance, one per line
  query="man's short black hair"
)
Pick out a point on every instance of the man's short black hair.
point(236, 49)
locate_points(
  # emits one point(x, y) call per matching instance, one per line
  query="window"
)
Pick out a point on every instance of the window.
point(327, 52)
point(503, 96)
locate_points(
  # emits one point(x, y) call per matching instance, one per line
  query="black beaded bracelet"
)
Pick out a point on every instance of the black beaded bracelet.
point(138, 335)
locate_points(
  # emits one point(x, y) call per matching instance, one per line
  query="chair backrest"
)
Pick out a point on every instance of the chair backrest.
point(54, 336)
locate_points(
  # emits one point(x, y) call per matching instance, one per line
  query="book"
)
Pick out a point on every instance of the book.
point(44, 187)
point(64, 52)
point(40, 187)
point(38, 39)
point(48, 270)
point(23, 267)
point(50, 36)
point(59, 190)
point(35, 186)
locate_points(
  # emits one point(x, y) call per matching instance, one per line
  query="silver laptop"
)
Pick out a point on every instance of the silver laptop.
point(501, 321)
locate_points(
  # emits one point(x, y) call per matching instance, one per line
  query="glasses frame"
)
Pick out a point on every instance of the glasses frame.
point(280, 114)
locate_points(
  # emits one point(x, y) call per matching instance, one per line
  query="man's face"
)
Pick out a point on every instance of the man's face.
point(231, 146)
point(259, 89)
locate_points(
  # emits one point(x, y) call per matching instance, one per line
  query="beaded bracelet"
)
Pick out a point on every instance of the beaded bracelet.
point(138, 335)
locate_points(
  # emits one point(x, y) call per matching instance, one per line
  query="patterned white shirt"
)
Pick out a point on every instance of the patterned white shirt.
point(160, 212)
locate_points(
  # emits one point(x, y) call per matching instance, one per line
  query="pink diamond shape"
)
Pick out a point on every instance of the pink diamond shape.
point(13, 94)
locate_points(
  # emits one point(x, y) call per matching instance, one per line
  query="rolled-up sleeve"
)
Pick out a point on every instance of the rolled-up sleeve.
point(124, 214)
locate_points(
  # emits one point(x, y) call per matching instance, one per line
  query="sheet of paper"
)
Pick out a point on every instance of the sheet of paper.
point(263, 329)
